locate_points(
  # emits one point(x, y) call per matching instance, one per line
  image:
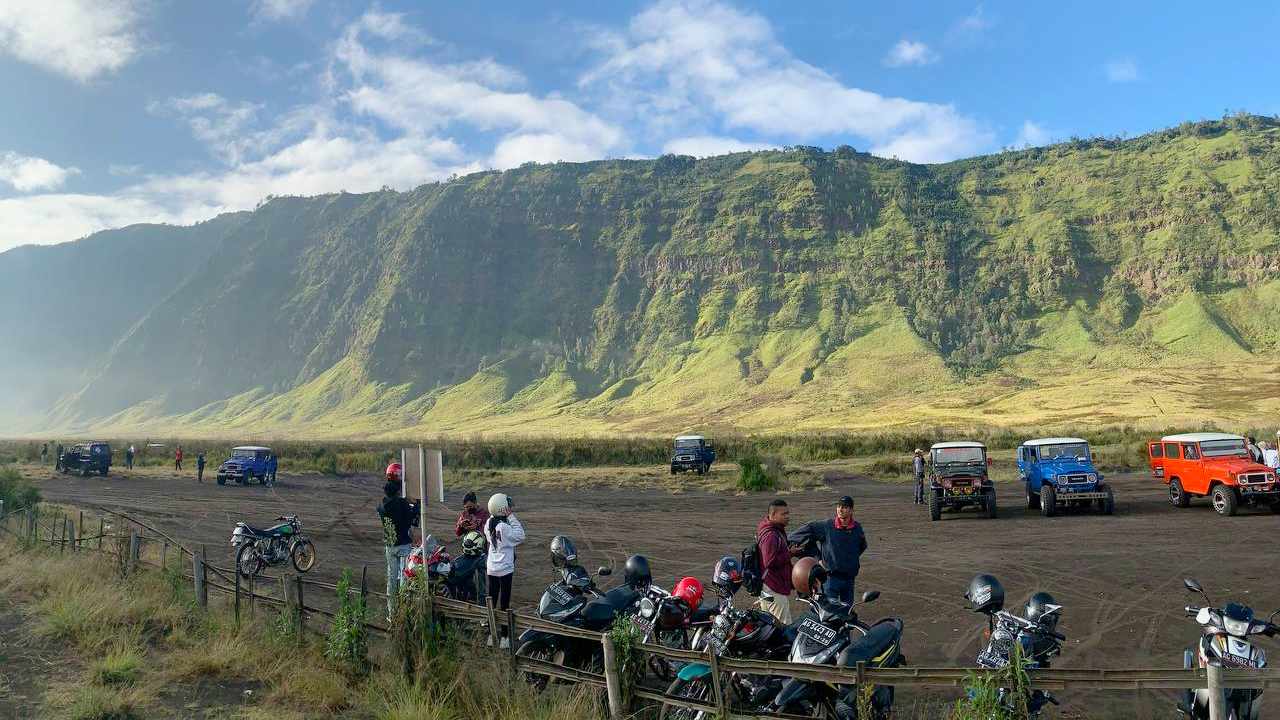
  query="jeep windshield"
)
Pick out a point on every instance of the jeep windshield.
point(959, 456)
point(688, 444)
point(1223, 448)
point(1068, 451)
point(242, 454)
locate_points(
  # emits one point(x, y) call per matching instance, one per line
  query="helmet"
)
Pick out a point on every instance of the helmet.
point(499, 505)
point(563, 553)
point(806, 573)
point(985, 594)
point(728, 575)
point(473, 543)
point(1042, 609)
point(636, 573)
point(395, 471)
point(690, 591)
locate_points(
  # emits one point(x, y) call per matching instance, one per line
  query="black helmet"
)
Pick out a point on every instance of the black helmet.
point(563, 552)
point(1042, 609)
point(636, 573)
point(727, 575)
point(985, 594)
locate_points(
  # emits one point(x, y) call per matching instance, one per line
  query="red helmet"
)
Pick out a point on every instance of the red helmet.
point(395, 471)
point(690, 591)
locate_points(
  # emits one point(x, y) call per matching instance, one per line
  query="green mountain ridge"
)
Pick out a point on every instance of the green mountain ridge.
point(1087, 282)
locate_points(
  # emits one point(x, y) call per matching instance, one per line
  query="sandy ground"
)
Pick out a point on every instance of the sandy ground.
point(1119, 577)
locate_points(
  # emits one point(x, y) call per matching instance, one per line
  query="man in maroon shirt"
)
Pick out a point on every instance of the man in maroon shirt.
point(775, 561)
point(473, 517)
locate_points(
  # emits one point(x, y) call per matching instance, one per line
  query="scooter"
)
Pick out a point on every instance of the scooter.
point(1225, 642)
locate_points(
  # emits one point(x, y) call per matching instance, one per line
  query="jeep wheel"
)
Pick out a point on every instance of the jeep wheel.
point(1177, 495)
point(222, 479)
point(1224, 500)
point(1275, 507)
point(935, 505)
point(991, 504)
point(673, 469)
point(1048, 500)
point(1033, 500)
point(1107, 505)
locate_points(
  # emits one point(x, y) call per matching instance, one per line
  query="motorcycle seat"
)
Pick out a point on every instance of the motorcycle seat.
point(703, 615)
point(273, 530)
point(599, 613)
point(878, 639)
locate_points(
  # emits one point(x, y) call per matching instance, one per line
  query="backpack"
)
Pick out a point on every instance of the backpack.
point(752, 571)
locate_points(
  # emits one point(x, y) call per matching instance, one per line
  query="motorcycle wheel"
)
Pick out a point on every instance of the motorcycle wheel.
point(249, 561)
point(695, 690)
point(303, 555)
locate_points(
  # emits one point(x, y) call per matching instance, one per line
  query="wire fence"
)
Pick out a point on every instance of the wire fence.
point(58, 530)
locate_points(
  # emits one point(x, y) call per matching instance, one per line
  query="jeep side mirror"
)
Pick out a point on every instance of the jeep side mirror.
point(870, 596)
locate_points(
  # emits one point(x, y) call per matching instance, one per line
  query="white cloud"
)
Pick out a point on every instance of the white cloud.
point(973, 24)
point(80, 39)
point(281, 9)
point(1121, 70)
point(708, 145)
point(1031, 135)
point(220, 124)
point(909, 52)
point(25, 173)
point(684, 67)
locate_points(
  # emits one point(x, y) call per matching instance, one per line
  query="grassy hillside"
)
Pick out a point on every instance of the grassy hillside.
point(1091, 282)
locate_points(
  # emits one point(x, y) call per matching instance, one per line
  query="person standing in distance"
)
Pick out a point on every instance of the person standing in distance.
point(399, 517)
point(917, 467)
point(841, 543)
point(200, 467)
point(504, 533)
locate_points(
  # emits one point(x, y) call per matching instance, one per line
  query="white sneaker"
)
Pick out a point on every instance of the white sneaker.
point(489, 642)
point(504, 643)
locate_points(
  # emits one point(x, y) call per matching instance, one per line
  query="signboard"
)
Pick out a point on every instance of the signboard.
point(423, 478)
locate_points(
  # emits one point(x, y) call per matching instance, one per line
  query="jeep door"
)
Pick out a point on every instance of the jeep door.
point(1192, 473)
point(1155, 455)
point(1027, 468)
point(1173, 464)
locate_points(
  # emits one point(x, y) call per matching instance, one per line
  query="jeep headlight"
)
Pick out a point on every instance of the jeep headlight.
point(1062, 479)
point(1093, 477)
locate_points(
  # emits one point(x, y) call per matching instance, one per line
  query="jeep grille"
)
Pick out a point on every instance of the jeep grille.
point(1253, 478)
point(1074, 479)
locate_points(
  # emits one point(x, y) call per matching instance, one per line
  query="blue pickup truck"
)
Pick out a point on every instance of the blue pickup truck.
point(247, 463)
point(692, 452)
point(1059, 473)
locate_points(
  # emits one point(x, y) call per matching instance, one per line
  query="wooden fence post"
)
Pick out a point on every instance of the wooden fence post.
point(164, 556)
point(198, 575)
point(135, 550)
point(253, 595)
point(302, 615)
point(493, 622)
point(102, 529)
point(73, 536)
point(364, 585)
point(722, 705)
point(511, 637)
point(612, 681)
point(236, 574)
point(62, 536)
point(1217, 700)
point(80, 525)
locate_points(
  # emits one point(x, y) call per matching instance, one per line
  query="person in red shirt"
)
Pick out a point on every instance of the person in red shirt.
point(177, 459)
point(775, 561)
point(473, 516)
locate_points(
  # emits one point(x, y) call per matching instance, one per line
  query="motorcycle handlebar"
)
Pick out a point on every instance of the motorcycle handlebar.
point(1191, 610)
point(1058, 636)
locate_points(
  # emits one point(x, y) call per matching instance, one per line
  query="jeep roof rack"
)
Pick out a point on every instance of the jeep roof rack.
point(1200, 437)
point(1054, 441)
point(957, 444)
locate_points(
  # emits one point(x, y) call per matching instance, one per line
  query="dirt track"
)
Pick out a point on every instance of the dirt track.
point(1119, 577)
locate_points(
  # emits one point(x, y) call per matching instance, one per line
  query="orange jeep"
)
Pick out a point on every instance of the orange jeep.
point(1212, 464)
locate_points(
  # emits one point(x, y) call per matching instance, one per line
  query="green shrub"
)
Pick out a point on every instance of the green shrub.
point(630, 658)
point(15, 491)
point(348, 641)
point(982, 701)
point(752, 476)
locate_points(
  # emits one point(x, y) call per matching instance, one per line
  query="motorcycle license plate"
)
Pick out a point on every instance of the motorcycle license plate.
point(560, 595)
point(1237, 661)
point(645, 625)
point(818, 632)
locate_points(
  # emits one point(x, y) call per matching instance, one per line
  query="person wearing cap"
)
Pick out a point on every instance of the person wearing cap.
point(840, 543)
point(473, 516)
point(917, 466)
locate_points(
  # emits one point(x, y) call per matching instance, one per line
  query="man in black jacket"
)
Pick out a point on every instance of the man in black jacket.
point(841, 543)
point(399, 517)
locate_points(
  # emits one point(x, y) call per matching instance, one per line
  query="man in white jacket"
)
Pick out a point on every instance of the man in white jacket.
point(504, 532)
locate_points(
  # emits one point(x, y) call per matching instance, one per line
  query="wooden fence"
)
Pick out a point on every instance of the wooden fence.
point(61, 532)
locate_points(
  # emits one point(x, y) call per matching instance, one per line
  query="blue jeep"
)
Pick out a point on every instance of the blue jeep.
point(1059, 473)
point(692, 452)
point(245, 464)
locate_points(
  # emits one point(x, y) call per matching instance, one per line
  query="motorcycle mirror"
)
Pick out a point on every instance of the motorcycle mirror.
point(604, 572)
point(870, 596)
point(1192, 585)
point(1272, 616)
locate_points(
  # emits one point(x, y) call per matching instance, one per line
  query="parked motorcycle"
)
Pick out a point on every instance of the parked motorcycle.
point(669, 619)
point(574, 600)
point(257, 548)
point(1036, 635)
point(737, 633)
point(449, 576)
point(1225, 634)
point(833, 635)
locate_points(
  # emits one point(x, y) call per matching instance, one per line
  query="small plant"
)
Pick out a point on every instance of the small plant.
point(630, 658)
point(348, 641)
point(121, 666)
point(984, 699)
point(752, 476)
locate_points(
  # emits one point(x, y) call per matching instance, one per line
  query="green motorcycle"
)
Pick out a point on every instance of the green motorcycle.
point(257, 548)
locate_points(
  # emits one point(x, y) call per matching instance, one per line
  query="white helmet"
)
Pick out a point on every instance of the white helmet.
point(499, 505)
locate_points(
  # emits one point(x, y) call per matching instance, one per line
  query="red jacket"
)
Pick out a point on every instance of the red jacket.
point(775, 557)
point(478, 518)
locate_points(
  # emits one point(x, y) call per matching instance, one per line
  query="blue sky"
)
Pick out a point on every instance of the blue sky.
point(122, 111)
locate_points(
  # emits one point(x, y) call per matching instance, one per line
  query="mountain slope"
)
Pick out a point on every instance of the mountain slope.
point(767, 290)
